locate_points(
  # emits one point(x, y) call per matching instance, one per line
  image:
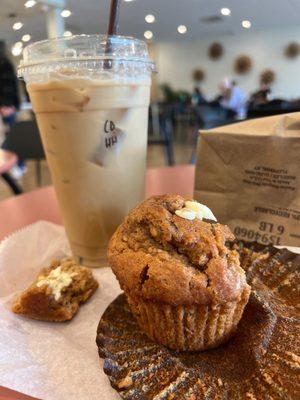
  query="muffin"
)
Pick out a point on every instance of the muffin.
point(183, 283)
point(57, 292)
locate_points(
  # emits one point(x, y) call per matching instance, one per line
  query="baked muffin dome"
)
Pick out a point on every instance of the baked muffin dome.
point(178, 273)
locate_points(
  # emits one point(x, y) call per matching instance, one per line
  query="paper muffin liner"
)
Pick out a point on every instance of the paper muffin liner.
point(260, 361)
point(188, 328)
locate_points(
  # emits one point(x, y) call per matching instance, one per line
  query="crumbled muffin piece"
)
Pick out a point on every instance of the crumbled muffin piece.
point(57, 292)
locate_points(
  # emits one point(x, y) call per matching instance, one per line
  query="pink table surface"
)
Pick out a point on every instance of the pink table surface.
point(7, 160)
point(17, 212)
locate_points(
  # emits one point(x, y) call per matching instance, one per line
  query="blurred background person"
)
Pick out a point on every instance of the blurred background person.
point(233, 99)
point(9, 99)
point(9, 94)
point(197, 100)
point(261, 96)
point(198, 97)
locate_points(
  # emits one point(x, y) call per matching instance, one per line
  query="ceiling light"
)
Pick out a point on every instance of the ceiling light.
point(17, 49)
point(225, 11)
point(17, 26)
point(65, 13)
point(67, 33)
point(182, 29)
point(26, 38)
point(128, 1)
point(246, 24)
point(30, 3)
point(150, 18)
point(148, 35)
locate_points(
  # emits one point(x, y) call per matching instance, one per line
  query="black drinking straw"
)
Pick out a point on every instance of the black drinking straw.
point(113, 25)
point(113, 28)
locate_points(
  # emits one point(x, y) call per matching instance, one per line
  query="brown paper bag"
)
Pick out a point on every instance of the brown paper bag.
point(249, 175)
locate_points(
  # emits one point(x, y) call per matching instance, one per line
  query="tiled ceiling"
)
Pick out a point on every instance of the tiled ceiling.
point(90, 16)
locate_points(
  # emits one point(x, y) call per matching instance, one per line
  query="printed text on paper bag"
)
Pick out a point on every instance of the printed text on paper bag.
point(266, 233)
point(265, 176)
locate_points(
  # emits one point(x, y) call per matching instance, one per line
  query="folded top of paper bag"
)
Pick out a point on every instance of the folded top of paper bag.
point(282, 125)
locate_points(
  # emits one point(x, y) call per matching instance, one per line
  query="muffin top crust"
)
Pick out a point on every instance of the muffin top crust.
point(160, 255)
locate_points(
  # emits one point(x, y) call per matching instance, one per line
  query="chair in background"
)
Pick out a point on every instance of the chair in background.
point(209, 116)
point(24, 140)
point(161, 130)
point(212, 115)
point(273, 107)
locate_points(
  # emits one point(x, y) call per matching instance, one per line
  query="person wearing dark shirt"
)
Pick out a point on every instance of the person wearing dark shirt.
point(197, 100)
point(261, 96)
point(9, 94)
point(198, 97)
point(9, 99)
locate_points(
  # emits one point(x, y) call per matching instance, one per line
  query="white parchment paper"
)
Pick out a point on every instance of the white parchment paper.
point(50, 361)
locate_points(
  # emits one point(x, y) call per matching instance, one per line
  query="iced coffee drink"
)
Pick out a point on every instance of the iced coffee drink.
point(93, 123)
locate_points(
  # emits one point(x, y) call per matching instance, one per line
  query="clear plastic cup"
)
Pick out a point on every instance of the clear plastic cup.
point(90, 95)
